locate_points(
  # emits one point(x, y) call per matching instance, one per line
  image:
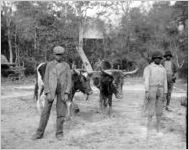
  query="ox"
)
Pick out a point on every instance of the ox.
point(80, 82)
point(109, 81)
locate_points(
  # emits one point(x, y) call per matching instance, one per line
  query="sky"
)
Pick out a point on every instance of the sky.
point(117, 18)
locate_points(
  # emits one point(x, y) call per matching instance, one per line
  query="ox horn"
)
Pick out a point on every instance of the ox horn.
point(92, 72)
point(110, 71)
point(130, 72)
point(106, 71)
point(76, 71)
point(81, 70)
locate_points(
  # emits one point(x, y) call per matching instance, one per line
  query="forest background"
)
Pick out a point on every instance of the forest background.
point(30, 30)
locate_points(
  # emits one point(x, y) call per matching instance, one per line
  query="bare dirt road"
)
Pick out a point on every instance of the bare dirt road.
point(89, 129)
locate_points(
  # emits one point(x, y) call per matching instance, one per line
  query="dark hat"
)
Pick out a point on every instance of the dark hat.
point(157, 54)
point(58, 50)
point(168, 53)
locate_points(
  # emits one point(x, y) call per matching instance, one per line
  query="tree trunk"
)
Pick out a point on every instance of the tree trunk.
point(35, 41)
point(10, 45)
point(175, 47)
point(16, 48)
point(84, 59)
point(8, 12)
point(177, 61)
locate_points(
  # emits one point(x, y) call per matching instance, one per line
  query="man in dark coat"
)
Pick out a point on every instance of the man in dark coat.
point(57, 82)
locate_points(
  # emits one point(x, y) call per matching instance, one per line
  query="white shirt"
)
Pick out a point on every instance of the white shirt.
point(155, 75)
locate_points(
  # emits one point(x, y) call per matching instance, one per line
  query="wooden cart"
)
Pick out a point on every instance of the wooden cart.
point(17, 73)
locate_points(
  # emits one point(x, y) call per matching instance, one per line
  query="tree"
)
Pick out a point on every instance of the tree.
point(8, 13)
point(36, 27)
point(180, 17)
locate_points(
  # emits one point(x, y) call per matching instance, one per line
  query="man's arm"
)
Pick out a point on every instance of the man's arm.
point(146, 76)
point(165, 81)
point(69, 79)
point(46, 80)
point(175, 68)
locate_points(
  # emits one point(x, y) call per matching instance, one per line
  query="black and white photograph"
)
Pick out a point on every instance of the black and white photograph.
point(94, 74)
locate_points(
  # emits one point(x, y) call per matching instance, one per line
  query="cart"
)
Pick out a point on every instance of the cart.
point(17, 73)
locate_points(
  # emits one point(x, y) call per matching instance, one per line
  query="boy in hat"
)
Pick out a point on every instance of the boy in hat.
point(171, 70)
point(57, 82)
point(155, 81)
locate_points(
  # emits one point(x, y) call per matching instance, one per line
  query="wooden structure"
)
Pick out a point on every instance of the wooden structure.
point(90, 29)
point(11, 70)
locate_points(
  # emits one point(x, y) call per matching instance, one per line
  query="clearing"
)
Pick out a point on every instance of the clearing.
point(89, 129)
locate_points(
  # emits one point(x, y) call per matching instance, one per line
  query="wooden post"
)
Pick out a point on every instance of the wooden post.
point(17, 61)
point(84, 59)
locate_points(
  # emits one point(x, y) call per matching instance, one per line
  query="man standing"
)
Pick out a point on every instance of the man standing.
point(155, 81)
point(57, 82)
point(171, 70)
point(144, 74)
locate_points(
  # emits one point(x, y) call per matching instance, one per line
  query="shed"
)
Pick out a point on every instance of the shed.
point(93, 37)
point(93, 29)
point(90, 30)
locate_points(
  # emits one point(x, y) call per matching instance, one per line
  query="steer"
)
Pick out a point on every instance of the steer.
point(80, 82)
point(109, 82)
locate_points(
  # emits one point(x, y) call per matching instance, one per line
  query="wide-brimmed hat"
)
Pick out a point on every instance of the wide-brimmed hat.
point(58, 50)
point(157, 54)
point(168, 53)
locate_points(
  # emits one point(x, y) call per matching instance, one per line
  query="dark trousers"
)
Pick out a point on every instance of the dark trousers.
point(61, 113)
point(169, 91)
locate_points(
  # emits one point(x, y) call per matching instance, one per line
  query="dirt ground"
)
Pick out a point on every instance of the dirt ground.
point(89, 129)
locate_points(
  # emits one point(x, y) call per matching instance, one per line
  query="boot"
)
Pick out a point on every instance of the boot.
point(168, 108)
point(36, 136)
point(59, 137)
